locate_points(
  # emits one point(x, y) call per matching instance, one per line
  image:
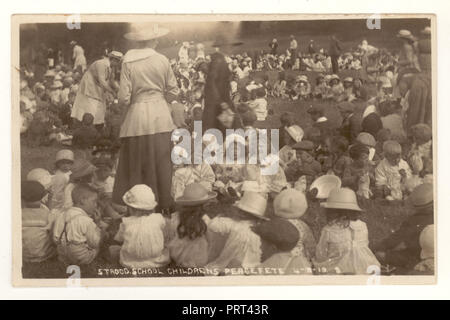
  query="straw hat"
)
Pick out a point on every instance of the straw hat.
point(348, 79)
point(342, 198)
point(140, 197)
point(279, 232)
point(296, 132)
point(115, 55)
point(195, 194)
point(422, 196)
point(145, 34)
point(40, 175)
point(57, 84)
point(324, 184)
point(290, 204)
point(254, 204)
point(65, 154)
point(405, 34)
point(426, 241)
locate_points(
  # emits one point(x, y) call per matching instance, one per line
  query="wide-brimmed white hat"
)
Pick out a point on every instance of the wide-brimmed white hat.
point(405, 34)
point(342, 198)
point(290, 204)
point(115, 55)
point(324, 184)
point(42, 176)
point(146, 33)
point(140, 197)
point(295, 132)
point(254, 204)
point(195, 194)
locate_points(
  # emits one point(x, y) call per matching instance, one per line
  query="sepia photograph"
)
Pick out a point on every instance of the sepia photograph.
point(223, 149)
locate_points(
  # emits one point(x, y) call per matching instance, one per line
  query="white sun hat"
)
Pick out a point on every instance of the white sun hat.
point(254, 204)
point(325, 184)
point(42, 176)
point(145, 33)
point(140, 197)
point(296, 132)
point(342, 198)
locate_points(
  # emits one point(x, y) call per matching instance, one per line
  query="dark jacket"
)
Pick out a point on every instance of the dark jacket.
point(408, 233)
point(217, 90)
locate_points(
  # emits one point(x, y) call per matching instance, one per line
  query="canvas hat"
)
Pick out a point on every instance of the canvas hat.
point(342, 198)
point(422, 196)
point(82, 168)
point(296, 132)
point(426, 241)
point(32, 191)
point(324, 184)
point(426, 30)
point(366, 139)
point(279, 232)
point(140, 197)
point(348, 79)
point(195, 194)
point(146, 33)
point(64, 154)
point(254, 204)
point(290, 204)
point(334, 77)
point(40, 175)
point(115, 55)
point(405, 34)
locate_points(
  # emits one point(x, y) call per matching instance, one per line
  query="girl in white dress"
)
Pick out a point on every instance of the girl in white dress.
point(343, 247)
point(188, 246)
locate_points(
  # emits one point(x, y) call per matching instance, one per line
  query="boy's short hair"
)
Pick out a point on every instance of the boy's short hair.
point(82, 191)
point(249, 118)
point(383, 135)
point(87, 119)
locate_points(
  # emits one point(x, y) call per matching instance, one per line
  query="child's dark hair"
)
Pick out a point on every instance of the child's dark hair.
point(357, 149)
point(342, 215)
point(340, 143)
point(191, 223)
point(88, 119)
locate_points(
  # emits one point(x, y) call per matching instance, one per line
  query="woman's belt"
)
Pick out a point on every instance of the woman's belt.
point(147, 96)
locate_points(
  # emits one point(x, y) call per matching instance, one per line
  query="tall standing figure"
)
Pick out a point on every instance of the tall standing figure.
point(146, 77)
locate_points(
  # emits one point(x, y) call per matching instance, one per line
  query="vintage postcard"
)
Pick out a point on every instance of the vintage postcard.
point(223, 149)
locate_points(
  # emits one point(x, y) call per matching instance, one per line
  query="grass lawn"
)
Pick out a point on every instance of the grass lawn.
point(382, 218)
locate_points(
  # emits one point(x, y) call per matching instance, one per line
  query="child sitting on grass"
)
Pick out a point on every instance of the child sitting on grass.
point(343, 247)
point(392, 172)
point(357, 175)
point(233, 243)
point(82, 173)
point(287, 154)
point(78, 230)
point(290, 205)
point(141, 234)
point(188, 244)
point(64, 162)
point(85, 136)
point(422, 147)
point(37, 223)
point(45, 179)
point(402, 248)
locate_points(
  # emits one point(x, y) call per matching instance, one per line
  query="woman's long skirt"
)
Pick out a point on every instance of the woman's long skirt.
point(145, 160)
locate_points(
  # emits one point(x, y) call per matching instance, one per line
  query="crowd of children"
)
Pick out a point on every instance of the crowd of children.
point(69, 214)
